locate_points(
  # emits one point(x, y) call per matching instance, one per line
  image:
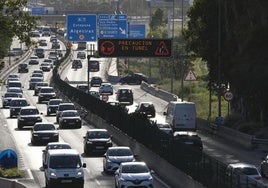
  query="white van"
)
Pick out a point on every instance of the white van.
point(64, 167)
point(181, 116)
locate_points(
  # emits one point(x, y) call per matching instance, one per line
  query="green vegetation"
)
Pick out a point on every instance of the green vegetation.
point(11, 173)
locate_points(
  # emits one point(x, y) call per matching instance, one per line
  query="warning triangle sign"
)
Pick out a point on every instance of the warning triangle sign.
point(66, 79)
point(161, 49)
point(190, 76)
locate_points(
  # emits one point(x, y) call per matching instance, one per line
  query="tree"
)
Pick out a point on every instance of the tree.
point(243, 45)
point(14, 22)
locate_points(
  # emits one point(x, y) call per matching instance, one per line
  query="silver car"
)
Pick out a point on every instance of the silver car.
point(114, 156)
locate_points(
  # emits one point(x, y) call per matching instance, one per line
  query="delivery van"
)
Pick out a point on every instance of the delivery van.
point(181, 116)
point(64, 167)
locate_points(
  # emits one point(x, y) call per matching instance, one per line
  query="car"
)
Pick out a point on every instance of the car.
point(135, 78)
point(83, 87)
point(165, 127)
point(28, 116)
point(53, 38)
point(106, 88)
point(46, 93)
point(17, 90)
point(59, 52)
point(6, 98)
point(62, 107)
point(35, 34)
point(61, 32)
point(133, 174)
point(53, 105)
point(33, 81)
point(55, 45)
point(77, 63)
point(15, 105)
point(114, 156)
point(33, 60)
point(81, 55)
point(52, 146)
point(38, 87)
point(95, 81)
point(243, 173)
point(95, 94)
point(38, 71)
point(23, 68)
point(42, 42)
point(124, 95)
point(45, 67)
point(12, 79)
point(97, 141)
point(43, 133)
point(40, 52)
point(16, 84)
point(38, 75)
point(13, 75)
point(146, 108)
point(264, 167)
point(70, 119)
point(50, 62)
point(46, 33)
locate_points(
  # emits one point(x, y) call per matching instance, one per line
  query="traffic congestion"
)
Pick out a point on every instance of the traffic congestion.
point(46, 127)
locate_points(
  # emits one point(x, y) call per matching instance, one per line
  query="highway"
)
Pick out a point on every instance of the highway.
point(30, 156)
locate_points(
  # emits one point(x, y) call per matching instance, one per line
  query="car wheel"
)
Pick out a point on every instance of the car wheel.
point(4, 106)
point(39, 101)
point(48, 114)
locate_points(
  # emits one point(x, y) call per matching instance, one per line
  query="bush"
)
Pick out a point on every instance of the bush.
point(2, 65)
point(10, 173)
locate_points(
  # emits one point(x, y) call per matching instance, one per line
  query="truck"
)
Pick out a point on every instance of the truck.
point(181, 116)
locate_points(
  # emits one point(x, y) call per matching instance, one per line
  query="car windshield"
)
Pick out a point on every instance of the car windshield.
point(43, 127)
point(65, 162)
point(14, 90)
point(48, 60)
point(37, 75)
point(70, 114)
point(134, 169)
point(66, 107)
point(98, 134)
point(54, 102)
point(23, 65)
point(11, 95)
point(32, 111)
point(119, 152)
point(58, 146)
point(46, 90)
point(35, 80)
point(41, 84)
point(247, 170)
point(18, 103)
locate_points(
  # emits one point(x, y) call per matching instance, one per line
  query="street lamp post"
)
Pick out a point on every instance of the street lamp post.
point(182, 50)
point(150, 36)
point(91, 53)
point(219, 58)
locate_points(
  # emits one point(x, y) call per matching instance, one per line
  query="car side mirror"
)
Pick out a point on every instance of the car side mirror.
point(164, 113)
point(44, 151)
point(84, 137)
point(84, 165)
point(152, 171)
point(45, 166)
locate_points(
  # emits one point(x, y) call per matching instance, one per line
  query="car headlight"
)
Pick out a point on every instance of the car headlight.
point(150, 178)
point(40, 95)
point(89, 142)
point(64, 120)
point(56, 134)
point(53, 174)
point(21, 119)
point(79, 173)
point(35, 135)
point(121, 179)
point(109, 141)
point(39, 118)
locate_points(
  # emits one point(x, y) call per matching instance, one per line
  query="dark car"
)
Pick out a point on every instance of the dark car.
point(97, 141)
point(28, 116)
point(146, 108)
point(15, 105)
point(33, 81)
point(43, 133)
point(43, 42)
point(95, 81)
point(95, 94)
point(83, 87)
point(53, 105)
point(70, 119)
point(62, 107)
point(124, 95)
point(7, 98)
point(55, 45)
point(33, 60)
point(81, 55)
point(23, 68)
point(135, 78)
point(45, 94)
point(77, 63)
point(40, 52)
point(38, 87)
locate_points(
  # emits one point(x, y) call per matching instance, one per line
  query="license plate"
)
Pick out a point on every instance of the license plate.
point(189, 143)
point(45, 138)
point(66, 181)
point(99, 147)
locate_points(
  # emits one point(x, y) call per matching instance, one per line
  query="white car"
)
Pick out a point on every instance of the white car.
point(133, 174)
point(114, 156)
point(243, 173)
point(106, 88)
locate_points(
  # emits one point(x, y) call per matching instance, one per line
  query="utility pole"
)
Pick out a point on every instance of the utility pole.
point(182, 50)
point(219, 58)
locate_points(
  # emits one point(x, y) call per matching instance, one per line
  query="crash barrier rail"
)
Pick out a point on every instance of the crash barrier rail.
point(190, 160)
point(7, 183)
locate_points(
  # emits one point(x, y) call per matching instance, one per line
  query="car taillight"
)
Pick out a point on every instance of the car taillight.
point(258, 177)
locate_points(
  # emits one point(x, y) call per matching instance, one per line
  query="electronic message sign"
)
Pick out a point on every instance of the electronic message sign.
point(134, 47)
